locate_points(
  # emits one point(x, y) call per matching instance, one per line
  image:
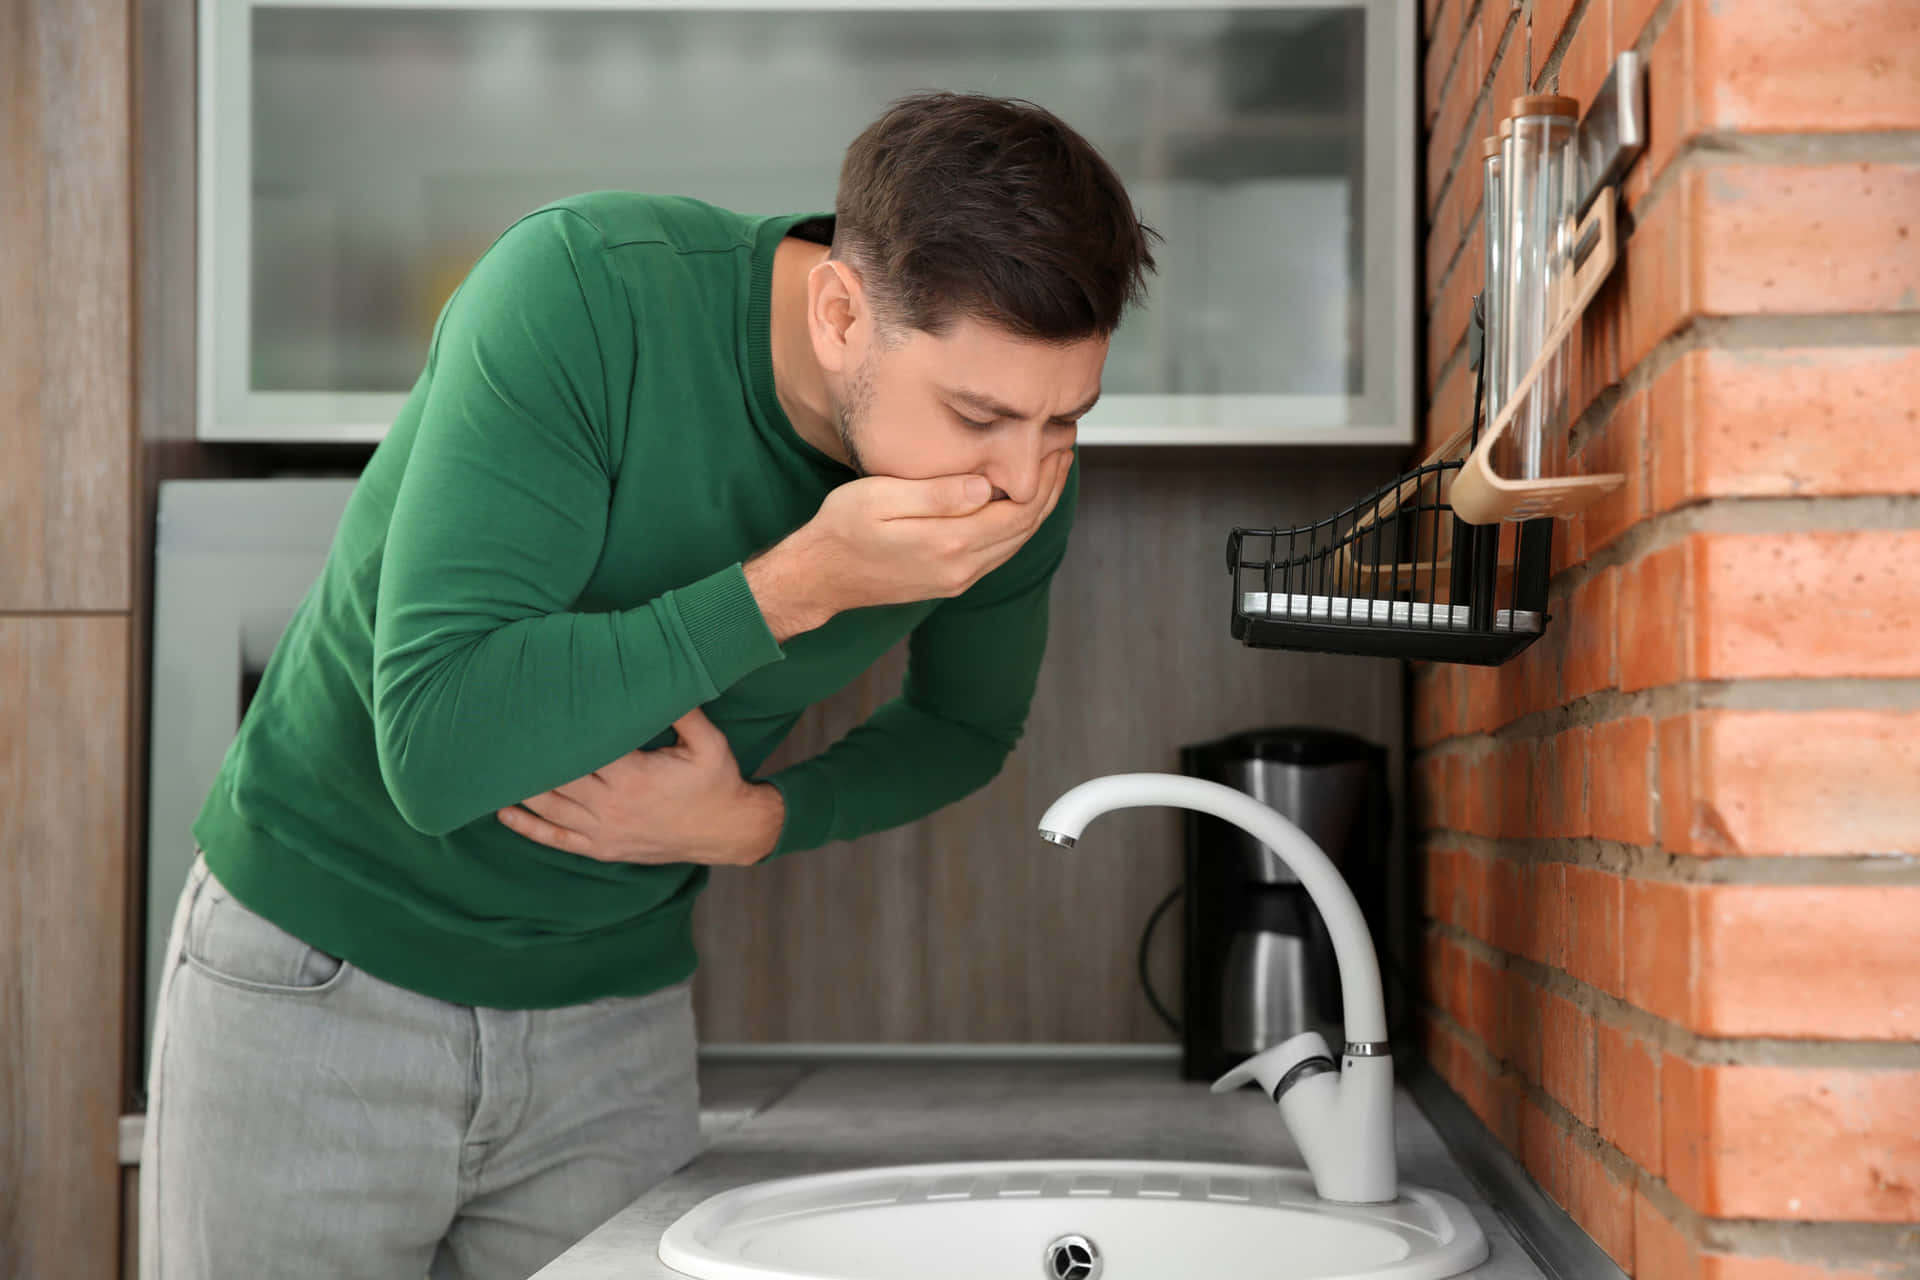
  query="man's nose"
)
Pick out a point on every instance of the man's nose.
point(1017, 473)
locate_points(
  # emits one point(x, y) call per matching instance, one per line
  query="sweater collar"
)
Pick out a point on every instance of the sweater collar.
point(759, 332)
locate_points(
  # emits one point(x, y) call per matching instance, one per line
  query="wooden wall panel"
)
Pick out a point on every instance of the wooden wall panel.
point(66, 596)
point(965, 926)
point(65, 306)
point(63, 763)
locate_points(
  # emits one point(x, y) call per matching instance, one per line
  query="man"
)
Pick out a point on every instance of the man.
point(671, 475)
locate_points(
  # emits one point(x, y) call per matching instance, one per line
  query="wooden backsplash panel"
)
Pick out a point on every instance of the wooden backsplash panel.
point(65, 596)
point(63, 820)
point(65, 307)
point(966, 926)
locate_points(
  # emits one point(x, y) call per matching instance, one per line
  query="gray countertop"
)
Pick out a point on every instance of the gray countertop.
point(772, 1120)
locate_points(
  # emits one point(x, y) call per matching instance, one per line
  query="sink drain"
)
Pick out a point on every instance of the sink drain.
point(1073, 1258)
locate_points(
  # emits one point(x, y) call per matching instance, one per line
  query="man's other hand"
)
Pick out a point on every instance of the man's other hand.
point(683, 803)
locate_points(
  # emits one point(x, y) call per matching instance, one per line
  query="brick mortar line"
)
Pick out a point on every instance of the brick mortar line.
point(1605, 706)
point(1487, 89)
point(1746, 332)
point(1721, 148)
point(1726, 145)
point(1691, 334)
point(1841, 1243)
point(1474, 7)
point(1602, 706)
point(1458, 250)
point(1728, 148)
point(1455, 359)
point(1678, 1039)
point(1695, 332)
point(1466, 232)
point(1757, 515)
point(1753, 332)
point(1454, 256)
point(1679, 163)
point(1446, 71)
point(1831, 1242)
point(1549, 67)
point(1658, 866)
point(1806, 147)
point(1598, 412)
point(1758, 332)
point(1456, 354)
point(1865, 693)
point(1590, 1139)
point(1485, 93)
point(1742, 515)
point(1446, 74)
point(1656, 25)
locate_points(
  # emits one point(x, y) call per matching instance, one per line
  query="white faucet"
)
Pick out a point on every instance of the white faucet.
point(1340, 1117)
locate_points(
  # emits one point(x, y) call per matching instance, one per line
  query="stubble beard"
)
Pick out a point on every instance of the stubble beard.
point(851, 413)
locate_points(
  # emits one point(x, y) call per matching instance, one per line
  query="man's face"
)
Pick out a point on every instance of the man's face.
point(975, 400)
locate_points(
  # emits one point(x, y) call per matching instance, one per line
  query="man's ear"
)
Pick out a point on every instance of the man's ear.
point(838, 320)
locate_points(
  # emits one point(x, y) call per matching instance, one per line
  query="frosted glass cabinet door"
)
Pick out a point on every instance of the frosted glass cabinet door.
point(357, 157)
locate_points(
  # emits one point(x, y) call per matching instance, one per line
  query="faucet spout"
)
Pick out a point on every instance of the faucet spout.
point(1363, 1006)
point(1341, 1117)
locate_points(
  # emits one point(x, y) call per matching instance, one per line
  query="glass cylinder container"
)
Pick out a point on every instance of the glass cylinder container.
point(1555, 386)
point(1533, 166)
point(1493, 232)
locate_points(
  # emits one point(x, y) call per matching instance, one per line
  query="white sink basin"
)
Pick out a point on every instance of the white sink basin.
point(1067, 1220)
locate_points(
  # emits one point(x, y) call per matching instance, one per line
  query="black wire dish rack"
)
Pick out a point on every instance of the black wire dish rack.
point(1397, 574)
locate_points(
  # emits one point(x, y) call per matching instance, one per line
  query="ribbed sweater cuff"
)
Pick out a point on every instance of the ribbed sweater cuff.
point(723, 620)
point(809, 801)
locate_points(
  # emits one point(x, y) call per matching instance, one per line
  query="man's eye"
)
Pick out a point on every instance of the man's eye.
point(977, 426)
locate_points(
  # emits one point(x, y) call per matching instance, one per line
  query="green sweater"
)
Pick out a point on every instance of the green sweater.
point(539, 571)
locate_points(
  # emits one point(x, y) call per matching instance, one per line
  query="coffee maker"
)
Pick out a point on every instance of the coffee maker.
point(1259, 964)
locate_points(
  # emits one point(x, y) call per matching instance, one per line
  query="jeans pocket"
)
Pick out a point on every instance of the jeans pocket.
point(231, 944)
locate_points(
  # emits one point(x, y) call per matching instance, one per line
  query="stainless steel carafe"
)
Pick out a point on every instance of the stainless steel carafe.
point(1259, 965)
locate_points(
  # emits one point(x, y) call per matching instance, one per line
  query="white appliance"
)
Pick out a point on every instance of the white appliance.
point(232, 560)
point(356, 156)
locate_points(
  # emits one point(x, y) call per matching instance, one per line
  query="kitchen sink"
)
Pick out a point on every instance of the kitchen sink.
point(1345, 1215)
point(1067, 1220)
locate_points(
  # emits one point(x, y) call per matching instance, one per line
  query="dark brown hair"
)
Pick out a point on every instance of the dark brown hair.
point(963, 205)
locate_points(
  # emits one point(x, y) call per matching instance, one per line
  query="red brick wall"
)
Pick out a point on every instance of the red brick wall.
point(1673, 899)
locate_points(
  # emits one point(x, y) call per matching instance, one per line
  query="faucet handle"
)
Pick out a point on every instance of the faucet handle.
point(1284, 1065)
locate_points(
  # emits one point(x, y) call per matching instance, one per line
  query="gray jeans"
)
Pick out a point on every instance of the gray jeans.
point(307, 1119)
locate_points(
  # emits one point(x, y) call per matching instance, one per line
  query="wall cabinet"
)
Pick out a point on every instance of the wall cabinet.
point(357, 157)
